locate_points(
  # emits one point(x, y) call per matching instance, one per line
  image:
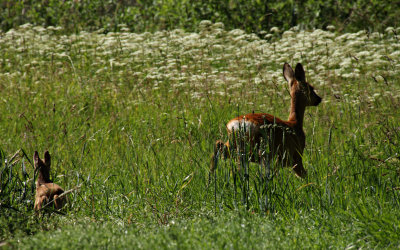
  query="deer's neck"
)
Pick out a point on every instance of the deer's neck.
point(43, 178)
point(296, 115)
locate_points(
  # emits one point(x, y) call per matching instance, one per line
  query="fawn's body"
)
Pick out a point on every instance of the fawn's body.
point(285, 139)
point(46, 190)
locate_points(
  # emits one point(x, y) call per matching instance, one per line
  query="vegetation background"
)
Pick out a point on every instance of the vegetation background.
point(249, 15)
point(130, 96)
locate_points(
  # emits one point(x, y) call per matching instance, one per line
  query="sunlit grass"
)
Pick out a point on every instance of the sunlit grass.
point(132, 119)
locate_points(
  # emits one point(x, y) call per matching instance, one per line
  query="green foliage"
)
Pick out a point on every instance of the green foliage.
point(249, 15)
point(130, 121)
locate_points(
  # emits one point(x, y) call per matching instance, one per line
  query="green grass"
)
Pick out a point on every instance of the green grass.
point(230, 230)
point(132, 120)
point(255, 16)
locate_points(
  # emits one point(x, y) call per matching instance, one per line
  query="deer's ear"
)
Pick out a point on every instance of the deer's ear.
point(288, 73)
point(299, 73)
point(47, 158)
point(36, 159)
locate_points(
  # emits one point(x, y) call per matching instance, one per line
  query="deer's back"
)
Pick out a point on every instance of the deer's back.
point(280, 135)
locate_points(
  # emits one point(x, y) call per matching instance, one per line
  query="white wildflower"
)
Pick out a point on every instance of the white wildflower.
point(389, 30)
point(363, 54)
point(268, 36)
point(330, 27)
point(219, 25)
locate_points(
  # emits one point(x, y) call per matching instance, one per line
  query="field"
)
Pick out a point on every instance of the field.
point(130, 120)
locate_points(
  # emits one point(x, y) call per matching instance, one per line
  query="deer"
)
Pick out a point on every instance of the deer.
point(286, 139)
point(46, 190)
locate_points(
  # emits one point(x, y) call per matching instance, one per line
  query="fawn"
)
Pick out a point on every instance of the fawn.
point(286, 139)
point(46, 190)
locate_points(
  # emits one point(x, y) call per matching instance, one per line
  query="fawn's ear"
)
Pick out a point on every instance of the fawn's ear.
point(47, 158)
point(36, 159)
point(299, 73)
point(288, 73)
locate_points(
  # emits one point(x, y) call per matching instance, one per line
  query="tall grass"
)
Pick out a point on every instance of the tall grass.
point(132, 118)
point(250, 15)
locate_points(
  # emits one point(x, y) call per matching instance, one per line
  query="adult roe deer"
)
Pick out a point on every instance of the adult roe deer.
point(286, 139)
point(46, 190)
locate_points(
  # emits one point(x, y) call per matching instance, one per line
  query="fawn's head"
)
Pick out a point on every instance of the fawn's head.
point(299, 88)
point(42, 166)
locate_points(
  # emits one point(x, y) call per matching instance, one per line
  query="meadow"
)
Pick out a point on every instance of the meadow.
point(130, 120)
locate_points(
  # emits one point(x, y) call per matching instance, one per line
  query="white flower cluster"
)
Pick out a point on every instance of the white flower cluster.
point(211, 62)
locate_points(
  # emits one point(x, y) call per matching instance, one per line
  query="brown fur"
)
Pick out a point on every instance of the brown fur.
point(286, 139)
point(46, 190)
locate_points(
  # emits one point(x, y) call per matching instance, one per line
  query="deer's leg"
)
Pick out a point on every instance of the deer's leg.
point(58, 202)
point(300, 171)
point(295, 161)
point(220, 148)
point(298, 166)
point(40, 201)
